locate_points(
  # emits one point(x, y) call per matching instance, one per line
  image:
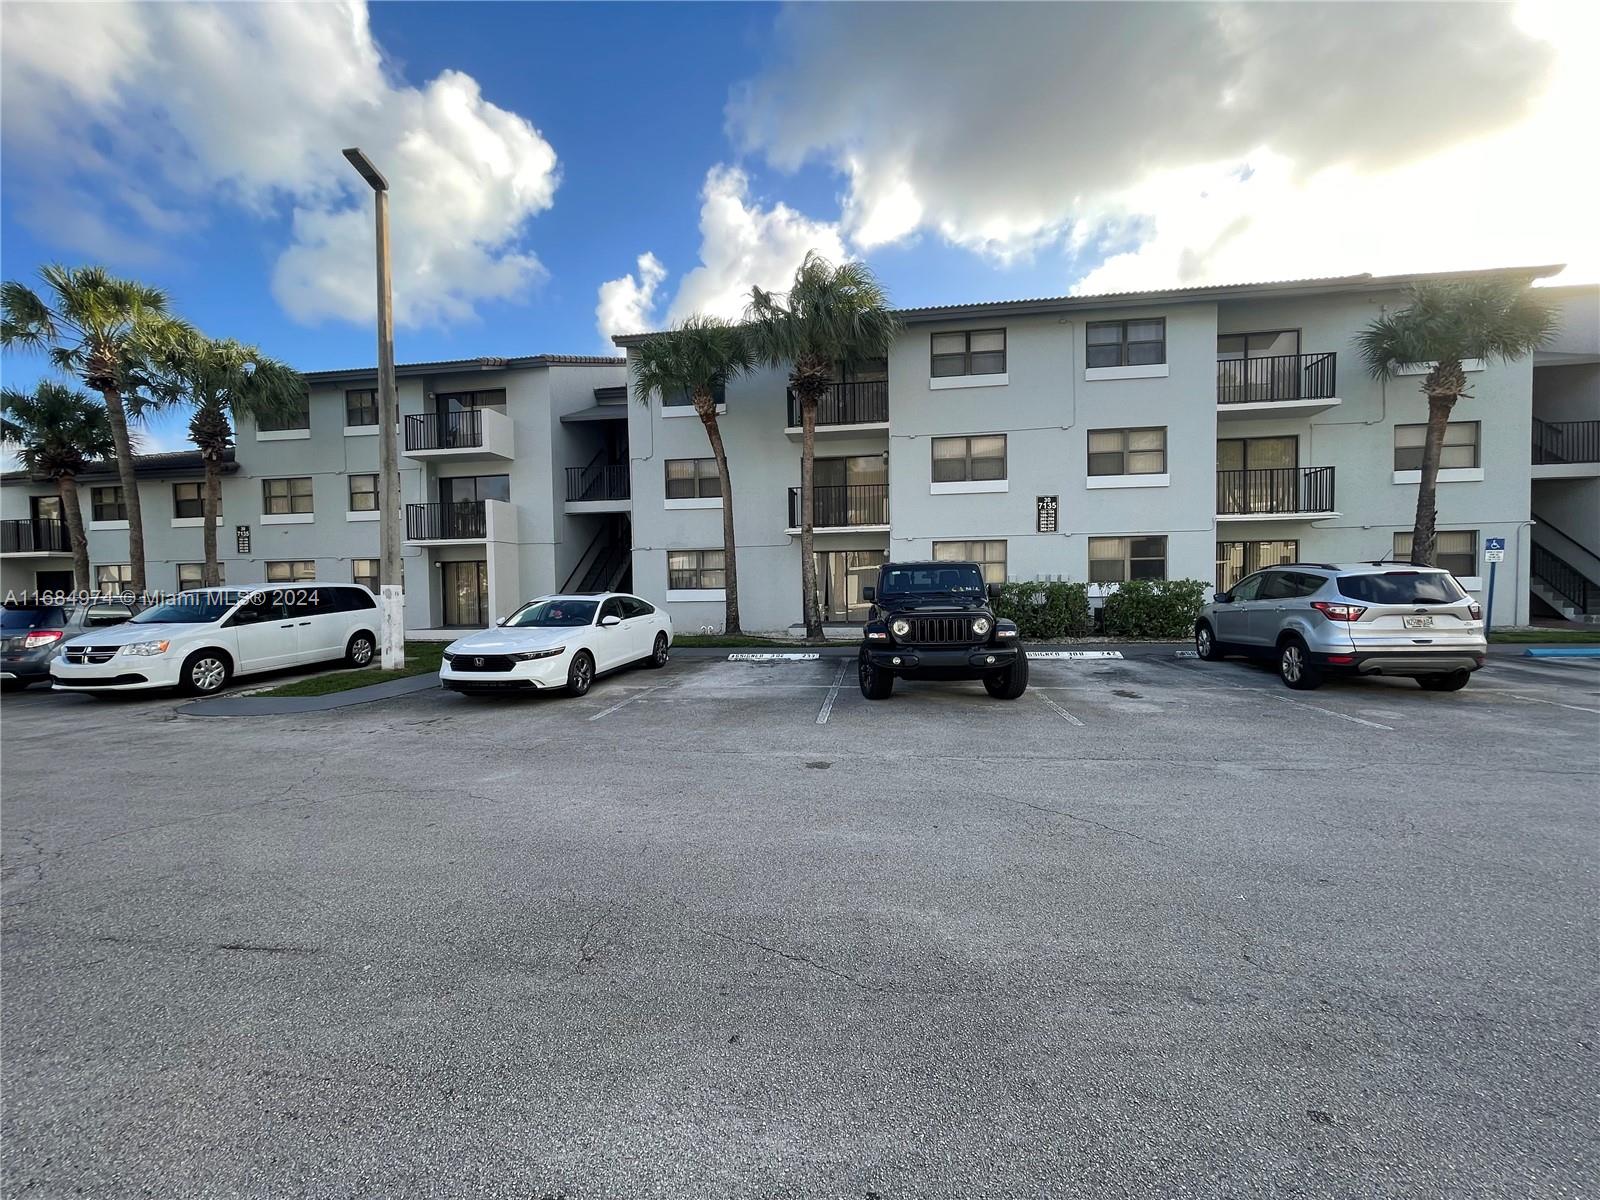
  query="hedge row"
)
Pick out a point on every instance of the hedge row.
point(1144, 608)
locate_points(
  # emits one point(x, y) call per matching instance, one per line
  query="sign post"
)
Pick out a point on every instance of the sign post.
point(1494, 553)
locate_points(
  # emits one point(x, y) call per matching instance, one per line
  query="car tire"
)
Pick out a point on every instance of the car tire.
point(1295, 667)
point(205, 673)
point(661, 652)
point(360, 650)
point(876, 684)
point(1206, 645)
point(1453, 682)
point(14, 685)
point(1010, 683)
point(580, 673)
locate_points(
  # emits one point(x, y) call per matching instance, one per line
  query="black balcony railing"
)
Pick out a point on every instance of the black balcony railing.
point(598, 481)
point(1566, 441)
point(34, 536)
point(442, 522)
point(1279, 377)
point(462, 429)
point(1275, 490)
point(841, 506)
point(863, 403)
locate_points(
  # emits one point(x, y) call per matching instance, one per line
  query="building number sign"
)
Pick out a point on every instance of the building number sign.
point(1047, 506)
point(241, 535)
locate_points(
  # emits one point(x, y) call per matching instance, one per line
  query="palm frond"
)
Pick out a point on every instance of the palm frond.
point(57, 430)
point(698, 355)
point(1490, 319)
point(830, 313)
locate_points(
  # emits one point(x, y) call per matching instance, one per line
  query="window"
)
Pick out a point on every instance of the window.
point(363, 493)
point(300, 570)
point(361, 407)
point(280, 496)
point(1127, 343)
point(1460, 449)
point(1401, 587)
point(692, 478)
point(470, 489)
point(1290, 585)
point(964, 459)
point(1117, 559)
point(113, 578)
point(975, 352)
point(192, 575)
point(1128, 451)
point(458, 401)
point(105, 504)
point(1235, 560)
point(990, 557)
point(188, 500)
point(365, 572)
point(632, 607)
point(299, 418)
point(1456, 551)
point(682, 399)
point(694, 570)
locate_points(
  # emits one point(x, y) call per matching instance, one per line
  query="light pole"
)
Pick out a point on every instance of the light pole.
point(394, 634)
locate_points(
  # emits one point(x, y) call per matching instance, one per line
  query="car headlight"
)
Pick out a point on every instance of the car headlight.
point(900, 627)
point(530, 655)
point(981, 626)
point(146, 648)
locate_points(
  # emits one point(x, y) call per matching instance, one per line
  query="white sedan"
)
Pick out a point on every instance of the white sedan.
point(559, 642)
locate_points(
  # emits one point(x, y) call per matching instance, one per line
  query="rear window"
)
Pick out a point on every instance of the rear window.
point(23, 617)
point(1402, 587)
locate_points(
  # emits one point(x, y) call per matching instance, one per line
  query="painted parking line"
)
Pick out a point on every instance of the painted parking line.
point(833, 694)
point(1554, 703)
point(773, 657)
point(1058, 710)
point(625, 701)
point(1071, 655)
point(1328, 711)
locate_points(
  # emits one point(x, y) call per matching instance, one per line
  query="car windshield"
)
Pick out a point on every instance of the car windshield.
point(189, 608)
point(27, 617)
point(956, 579)
point(1402, 587)
point(553, 614)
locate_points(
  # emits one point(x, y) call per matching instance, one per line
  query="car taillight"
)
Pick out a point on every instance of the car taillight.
point(41, 637)
point(1475, 611)
point(1338, 612)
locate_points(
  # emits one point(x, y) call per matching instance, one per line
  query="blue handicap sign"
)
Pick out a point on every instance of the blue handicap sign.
point(1490, 543)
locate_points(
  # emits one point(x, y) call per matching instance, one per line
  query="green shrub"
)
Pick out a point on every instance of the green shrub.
point(1046, 611)
point(1154, 608)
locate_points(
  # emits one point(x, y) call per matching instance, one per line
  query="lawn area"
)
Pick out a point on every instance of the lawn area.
point(422, 658)
point(1535, 637)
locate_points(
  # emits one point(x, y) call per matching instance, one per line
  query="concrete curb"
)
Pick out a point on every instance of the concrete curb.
point(1568, 650)
point(277, 706)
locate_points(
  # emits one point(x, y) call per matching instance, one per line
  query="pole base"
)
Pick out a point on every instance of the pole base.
point(393, 635)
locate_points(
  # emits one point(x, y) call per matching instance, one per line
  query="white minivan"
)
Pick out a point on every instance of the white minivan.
point(199, 640)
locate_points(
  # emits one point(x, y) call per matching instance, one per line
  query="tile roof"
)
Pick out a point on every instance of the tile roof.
point(484, 363)
point(167, 462)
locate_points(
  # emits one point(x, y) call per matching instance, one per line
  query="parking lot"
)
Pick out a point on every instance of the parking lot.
point(1159, 927)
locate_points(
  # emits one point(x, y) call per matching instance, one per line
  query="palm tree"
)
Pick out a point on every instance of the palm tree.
point(696, 358)
point(58, 431)
point(89, 326)
point(219, 381)
point(1446, 324)
point(830, 317)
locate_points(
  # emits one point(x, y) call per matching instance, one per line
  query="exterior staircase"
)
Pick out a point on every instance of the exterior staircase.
point(1555, 577)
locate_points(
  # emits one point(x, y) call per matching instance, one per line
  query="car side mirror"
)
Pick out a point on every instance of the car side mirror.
point(869, 594)
point(610, 622)
point(994, 591)
point(500, 621)
point(1222, 598)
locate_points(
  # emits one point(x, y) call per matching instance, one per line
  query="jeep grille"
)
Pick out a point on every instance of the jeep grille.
point(931, 631)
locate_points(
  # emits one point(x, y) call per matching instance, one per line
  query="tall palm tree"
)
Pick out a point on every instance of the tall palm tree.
point(831, 316)
point(219, 381)
point(89, 325)
point(1446, 324)
point(696, 358)
point(58, 431)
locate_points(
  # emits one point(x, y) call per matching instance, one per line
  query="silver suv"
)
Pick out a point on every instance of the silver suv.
point(1317, 619)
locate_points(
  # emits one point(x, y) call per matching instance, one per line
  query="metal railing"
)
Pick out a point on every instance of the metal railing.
point(442, 522)
point(30, 536)
point(862, 403)
point(1279, 377)
point(1565, 441)
point(462, 429)
point(1275, 490)
point(841, 506)
point(1565, 580)
point(598, 481)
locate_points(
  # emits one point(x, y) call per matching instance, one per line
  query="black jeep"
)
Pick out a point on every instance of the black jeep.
point(932, 620)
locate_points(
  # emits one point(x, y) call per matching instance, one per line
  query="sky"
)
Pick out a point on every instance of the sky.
point(564, 172)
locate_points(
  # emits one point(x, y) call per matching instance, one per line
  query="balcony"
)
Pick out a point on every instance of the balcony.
point(852, 507)
point(1275, 494)
point(599, 487)
point(461, 522)
point(38, 537)
point(1297, 385)
point(846, 408)
point(468, 433)
point(1565, 449)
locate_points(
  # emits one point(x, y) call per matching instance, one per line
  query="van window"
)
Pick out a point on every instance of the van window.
point(357, 599)
point(1402, 587)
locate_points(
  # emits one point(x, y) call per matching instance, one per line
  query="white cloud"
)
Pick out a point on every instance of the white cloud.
point(627, 305)
point(138, 116)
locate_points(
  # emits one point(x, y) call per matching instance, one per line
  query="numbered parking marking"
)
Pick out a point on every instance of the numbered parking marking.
point(773, 657)
point(1036, 655)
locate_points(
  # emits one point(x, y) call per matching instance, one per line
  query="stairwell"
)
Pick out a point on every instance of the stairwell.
point(1562, 573)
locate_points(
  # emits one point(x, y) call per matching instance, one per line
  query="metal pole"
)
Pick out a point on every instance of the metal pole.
point(394, 645)
point(1488, 602)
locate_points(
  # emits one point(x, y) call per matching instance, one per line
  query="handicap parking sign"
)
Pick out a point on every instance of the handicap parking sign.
point(1494, 549)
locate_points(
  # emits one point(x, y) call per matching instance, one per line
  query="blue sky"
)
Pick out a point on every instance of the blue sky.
point(964, 151)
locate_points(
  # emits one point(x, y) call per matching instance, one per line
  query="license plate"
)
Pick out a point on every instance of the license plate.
point(1419, 622)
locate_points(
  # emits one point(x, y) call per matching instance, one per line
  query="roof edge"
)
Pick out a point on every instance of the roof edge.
point(465, 365)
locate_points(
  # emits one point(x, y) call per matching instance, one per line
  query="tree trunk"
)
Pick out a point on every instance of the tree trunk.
point(808, 559)
point(211, 508)
point(705, 407)
point(1424, 533)
point(130, 486)
point(72, 514)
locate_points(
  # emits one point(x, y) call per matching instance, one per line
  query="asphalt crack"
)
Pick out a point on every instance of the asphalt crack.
point(777, 952)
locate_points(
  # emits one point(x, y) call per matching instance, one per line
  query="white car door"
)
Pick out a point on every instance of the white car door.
point(320, 616)
point(638, 618)
point(266, 633)
point(612, 642)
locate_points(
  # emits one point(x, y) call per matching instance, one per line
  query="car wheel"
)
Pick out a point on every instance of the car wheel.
point(1206, 645)
point(1010, 683)
point(660, 653)
point(580, 673)
point(875, 684)
point(1295, 667)
point(205, 673)
point(1452, 682)
point(359, 652)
